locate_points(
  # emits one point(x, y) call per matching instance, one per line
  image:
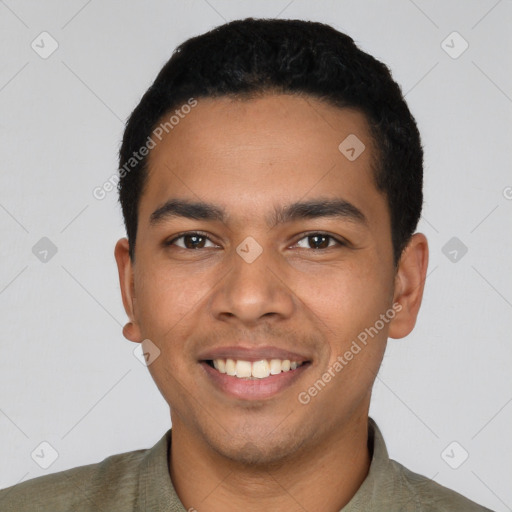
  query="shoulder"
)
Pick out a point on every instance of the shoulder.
point(425, 495)
point(111, 484)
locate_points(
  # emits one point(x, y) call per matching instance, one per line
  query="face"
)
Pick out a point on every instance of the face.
point(254, 282)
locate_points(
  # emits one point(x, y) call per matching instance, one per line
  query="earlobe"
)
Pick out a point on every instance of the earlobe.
point(409, 285)
point(131, 330)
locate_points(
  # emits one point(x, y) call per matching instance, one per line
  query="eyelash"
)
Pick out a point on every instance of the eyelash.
point(302, 235)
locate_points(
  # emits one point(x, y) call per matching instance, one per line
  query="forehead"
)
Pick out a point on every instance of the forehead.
point(265, 150)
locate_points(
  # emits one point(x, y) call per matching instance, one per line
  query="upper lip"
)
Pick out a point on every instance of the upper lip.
point(251, 354)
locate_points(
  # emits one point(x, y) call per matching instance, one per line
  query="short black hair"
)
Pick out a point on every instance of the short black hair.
point(249, 57)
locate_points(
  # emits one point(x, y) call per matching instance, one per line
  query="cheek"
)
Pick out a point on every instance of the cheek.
point(346, 296)
point(165, 296)
point(348, 299)
point(166, 302)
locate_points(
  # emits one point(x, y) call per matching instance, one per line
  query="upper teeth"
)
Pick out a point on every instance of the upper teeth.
point(258, 369)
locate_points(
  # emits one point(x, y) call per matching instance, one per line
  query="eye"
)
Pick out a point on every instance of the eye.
point(191, 240)
point(198, 240)
point(319, 241)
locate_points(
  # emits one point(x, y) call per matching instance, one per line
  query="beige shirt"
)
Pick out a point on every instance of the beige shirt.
point(140, 481)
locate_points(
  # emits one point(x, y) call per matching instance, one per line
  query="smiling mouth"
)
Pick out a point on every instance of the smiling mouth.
point(254, 370)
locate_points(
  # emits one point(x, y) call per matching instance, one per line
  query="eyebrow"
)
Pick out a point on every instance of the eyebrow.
point(312, 209)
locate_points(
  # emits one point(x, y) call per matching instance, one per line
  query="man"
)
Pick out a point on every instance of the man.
point(271, 184)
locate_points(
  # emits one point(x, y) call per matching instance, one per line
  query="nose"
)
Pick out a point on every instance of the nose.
point(254, 288)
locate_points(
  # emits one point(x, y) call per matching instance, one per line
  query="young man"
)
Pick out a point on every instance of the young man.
point(271, 184)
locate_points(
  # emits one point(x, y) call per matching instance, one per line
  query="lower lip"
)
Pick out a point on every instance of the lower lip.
point(253, 389)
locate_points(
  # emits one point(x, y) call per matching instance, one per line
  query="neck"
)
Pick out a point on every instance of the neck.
point(325, 477)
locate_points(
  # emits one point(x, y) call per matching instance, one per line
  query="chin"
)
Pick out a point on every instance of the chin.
point(258, 449)
point(257, 455)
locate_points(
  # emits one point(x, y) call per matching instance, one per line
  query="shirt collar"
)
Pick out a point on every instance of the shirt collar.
point(156, 491)
point(376, 486)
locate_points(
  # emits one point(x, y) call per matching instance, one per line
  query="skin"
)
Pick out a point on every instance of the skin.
point(248, 156)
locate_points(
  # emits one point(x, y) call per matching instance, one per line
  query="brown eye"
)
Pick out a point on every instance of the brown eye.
point(319, 241)
point(190, 241)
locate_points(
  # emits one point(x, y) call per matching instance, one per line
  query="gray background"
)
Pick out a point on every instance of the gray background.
point(67, 375)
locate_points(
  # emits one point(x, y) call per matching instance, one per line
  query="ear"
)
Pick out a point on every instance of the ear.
point(131, 330)
point(409, 284)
